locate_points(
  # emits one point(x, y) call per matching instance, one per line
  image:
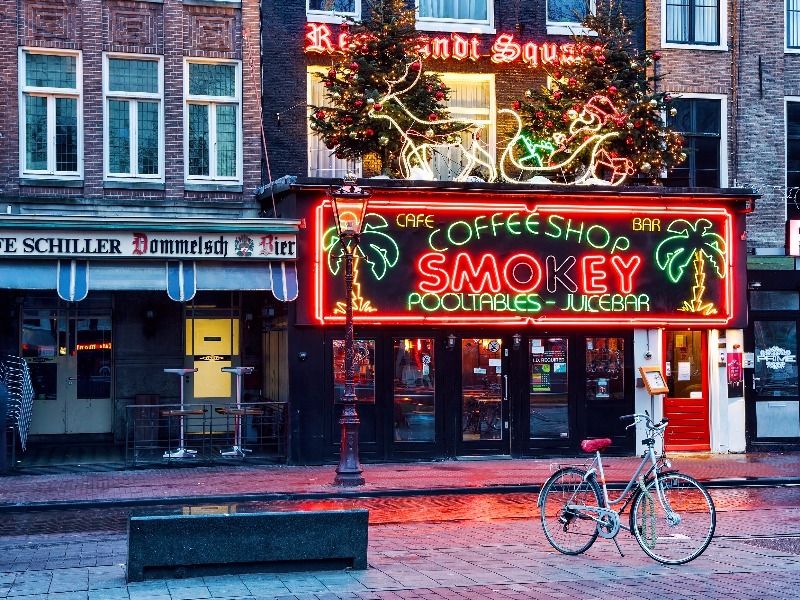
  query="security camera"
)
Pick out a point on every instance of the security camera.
point(648, 355)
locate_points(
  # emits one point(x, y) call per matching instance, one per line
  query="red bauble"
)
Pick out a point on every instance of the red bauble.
point(612, 89)
point(549, 124)
point(339, 155)
point(637, 124)
point(572, 81)
point(557, 74)
point(432, 117)
point(430, 88)
point(320, 115)
point(539, 114)
point(517, 105)
point(415, 66)
point(348, 119)
point(377, 106)
point(354, 66)
point(358, 104)
point(601, 59)
point(439, 95)
point(334, 140)
point(557, 95)
point(364, 49)
point(329, 84)
point(332, 73)
point(329, 144)
point(564, 118)
point(629, 141)
point(477, 135)
point(369, 132)
point(656, 55)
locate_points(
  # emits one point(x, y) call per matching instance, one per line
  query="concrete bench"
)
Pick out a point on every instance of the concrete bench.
point(181, 545)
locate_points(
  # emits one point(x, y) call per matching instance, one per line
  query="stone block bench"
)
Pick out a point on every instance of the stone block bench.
point(194, 545)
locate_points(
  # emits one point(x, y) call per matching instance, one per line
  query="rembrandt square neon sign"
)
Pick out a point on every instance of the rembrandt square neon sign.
point(465, 262)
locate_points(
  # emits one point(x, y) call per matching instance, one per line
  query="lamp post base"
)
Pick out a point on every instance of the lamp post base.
point(348, 473)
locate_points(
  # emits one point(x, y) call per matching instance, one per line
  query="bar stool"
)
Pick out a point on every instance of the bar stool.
point(181, 452)
point(238, 412)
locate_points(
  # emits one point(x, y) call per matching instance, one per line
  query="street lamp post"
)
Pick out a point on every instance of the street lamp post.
point(349, 203)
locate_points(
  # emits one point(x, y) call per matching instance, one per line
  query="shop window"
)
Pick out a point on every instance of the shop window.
point(549, 390)
point(51, 114)
point(793, 146)
point(793, 24)
point(471, 97)
point(413, 387)
point(213, 121)
point(699, 121)
point(774, 300)
point(134, 129)
point(332, 11)
point(775, 379)
point(694, 22)
point(474, 16)
point(322, 162)
point(564, 17)
point(363, 370)
point(605, 369)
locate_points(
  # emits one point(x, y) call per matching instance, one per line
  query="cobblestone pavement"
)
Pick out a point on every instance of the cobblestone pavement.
point(467, 553)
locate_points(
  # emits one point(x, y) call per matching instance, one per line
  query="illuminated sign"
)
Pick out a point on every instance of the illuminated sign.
point(505, 48)
point(97, 346)
point(548, 263)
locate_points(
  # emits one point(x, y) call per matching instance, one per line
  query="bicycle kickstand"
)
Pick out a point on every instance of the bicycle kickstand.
point(616, 543)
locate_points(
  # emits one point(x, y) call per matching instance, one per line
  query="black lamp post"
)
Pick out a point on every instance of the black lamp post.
point(349, 204)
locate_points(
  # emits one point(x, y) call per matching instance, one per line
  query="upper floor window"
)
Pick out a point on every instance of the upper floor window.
point(213, 121)
point(322, 162)
point(51, 115)
point(332, 11)
point(793, 24)
point(793, 146)
point(699, 120)
point(133, 92)
point(476, 16)
point(692, 22)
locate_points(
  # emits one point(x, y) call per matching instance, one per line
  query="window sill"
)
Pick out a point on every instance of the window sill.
point(133, 185)
point(687, 46)
point(449, 26)
point(193, 186)
point(54, 182)
point(221, 3)
point(569, 29)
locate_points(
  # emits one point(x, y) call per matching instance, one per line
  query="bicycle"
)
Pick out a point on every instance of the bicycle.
point(672, 515)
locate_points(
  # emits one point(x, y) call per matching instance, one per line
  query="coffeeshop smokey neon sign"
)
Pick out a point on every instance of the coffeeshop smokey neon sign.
point(505, 48)
point(502, 264)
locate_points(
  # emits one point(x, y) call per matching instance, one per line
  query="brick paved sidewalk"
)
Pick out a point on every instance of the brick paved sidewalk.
point(385, 478)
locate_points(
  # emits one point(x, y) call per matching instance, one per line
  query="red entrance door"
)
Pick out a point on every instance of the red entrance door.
point(686, 406)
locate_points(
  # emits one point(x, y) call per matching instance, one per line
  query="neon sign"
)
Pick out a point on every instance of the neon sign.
point(465, 262)
point(320, 39)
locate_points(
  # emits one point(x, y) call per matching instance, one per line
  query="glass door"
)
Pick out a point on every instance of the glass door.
point(484, 411)
point(608, 390)
point(686, 405)
point(549, 390)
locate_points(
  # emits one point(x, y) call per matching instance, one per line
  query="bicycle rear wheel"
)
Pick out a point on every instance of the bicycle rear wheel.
point(569, 530)
point(674, 541)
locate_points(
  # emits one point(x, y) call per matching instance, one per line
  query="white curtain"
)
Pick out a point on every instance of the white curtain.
point(466, 10)
point(706, 21)
point(793, 23)
point(321, 161)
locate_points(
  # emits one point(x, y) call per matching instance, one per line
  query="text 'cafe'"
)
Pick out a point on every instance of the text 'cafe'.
point(511, 320)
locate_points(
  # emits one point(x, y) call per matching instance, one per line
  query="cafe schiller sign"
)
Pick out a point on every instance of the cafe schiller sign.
point(608, 262)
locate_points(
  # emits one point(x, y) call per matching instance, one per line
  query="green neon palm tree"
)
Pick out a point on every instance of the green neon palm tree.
point(376, 248)
point(694, 243)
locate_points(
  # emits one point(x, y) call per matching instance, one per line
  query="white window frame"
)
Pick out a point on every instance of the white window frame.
point(449, 79)
point(329, 16)
point(723, 126)
point(786, 48)
point(340, 167)
point(568, 27)
point(457, 25)
point(723, 31)
point(51, 94)
point(212, 101)
point(133, 108)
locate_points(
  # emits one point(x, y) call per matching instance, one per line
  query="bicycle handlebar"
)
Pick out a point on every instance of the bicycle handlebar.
point(646, 418)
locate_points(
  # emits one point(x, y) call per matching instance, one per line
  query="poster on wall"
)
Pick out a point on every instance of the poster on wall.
point(466, 262)
point(735, 375)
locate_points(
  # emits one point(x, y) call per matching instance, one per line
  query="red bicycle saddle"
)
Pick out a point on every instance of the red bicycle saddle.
point(597, 445)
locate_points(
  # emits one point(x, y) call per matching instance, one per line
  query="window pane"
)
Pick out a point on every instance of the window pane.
point(707, 117)
point(321, 161)
point(119, 136)
point(363, 370)
point(212, 80)
point(226, 140)
point(549, 393)
point(605, 368)
point(414, 414)
point(35, 133)
point(474, 10)
point(66, 134)
point(481, 390)
point(344, 6)
point(677, 20)
point(682, 121)
point(126, 75)
point(705, 21)
point(198, 139)
point(566, 11)
point(769, 300)
point(793, 23)
point(148, 138)
point(50, 70)
point(776, 358)
point(778, 419)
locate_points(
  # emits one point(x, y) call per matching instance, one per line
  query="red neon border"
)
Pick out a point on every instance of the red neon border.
point(398, 206)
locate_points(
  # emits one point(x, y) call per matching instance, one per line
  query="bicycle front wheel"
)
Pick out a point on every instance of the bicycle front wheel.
point(679, 530)
point(569, 529)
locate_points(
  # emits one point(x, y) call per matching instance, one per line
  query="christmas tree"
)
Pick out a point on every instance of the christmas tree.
point(600, 118)
point(381, 101)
